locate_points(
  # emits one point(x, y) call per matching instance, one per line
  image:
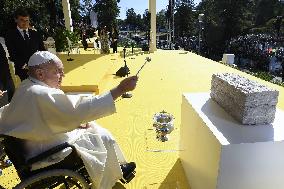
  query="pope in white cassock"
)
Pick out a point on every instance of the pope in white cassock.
point(42, 115)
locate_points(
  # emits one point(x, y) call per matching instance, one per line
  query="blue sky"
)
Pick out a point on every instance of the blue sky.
point(140, 6)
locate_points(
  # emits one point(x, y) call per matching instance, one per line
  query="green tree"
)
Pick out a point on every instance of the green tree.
point(184, 18)
point(43, 13)
point(224, 19)
point(265, 10)
point(75, 6)
point(131, 18)
point(146, 20)
point(139, 22)
point(184, 2)
point(232, 15)
point(86, 7)
point(161, 20)
point(107, 11)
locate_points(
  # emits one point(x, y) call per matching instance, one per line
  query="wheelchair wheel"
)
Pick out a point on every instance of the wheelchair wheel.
point(2, 152)
point(57, 179)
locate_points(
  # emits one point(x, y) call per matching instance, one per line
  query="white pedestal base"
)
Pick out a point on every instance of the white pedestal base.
point(219, 153)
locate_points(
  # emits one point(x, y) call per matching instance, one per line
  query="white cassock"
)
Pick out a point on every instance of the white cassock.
point(46, 117)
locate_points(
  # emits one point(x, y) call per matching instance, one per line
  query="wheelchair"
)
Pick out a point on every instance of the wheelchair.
point(4, 162)
point(68, 173)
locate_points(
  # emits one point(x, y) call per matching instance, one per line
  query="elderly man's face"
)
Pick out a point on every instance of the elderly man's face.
point(53, 74)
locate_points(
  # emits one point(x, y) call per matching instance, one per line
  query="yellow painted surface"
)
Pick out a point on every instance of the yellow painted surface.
point(160, 87)
point(85, 72)
point(200, 155)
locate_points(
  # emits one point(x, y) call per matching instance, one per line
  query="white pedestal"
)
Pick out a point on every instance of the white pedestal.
point(219, 153)
point(228, 58)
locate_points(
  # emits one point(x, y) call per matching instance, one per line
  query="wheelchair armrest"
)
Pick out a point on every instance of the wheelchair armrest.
point(49, 152)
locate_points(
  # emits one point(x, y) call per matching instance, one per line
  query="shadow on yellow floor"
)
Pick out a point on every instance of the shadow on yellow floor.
point(79, 60)
point(117, 185)
point(85, 72)
point(175, 178)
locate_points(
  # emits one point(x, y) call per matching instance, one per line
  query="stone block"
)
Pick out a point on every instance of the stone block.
point(247, 101)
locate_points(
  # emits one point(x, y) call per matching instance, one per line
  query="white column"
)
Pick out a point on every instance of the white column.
point(153, 34)
point(67, 15)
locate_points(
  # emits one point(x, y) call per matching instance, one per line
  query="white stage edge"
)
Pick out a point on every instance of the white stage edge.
point(219, 153)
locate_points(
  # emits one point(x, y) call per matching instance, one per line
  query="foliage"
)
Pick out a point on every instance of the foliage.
point(44, 14)
point(131, 18)
point(184, 18)
point(139, 22)
point(184, 2)
point(263, 75)
point(161, 20)
point(225, 19)
point(126, 42)
point(86, 7)
point(265, 10)
point(75, 7)
point(146, 20)
point(107, 11)
point(135, 21)
point(61, 42)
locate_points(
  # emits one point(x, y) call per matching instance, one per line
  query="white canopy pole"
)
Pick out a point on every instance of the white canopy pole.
point(67, 15)
point(153, 31)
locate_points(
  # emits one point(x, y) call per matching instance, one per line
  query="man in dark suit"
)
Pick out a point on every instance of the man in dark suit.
point(6, 82)
point(22, 42)
point(114, 38)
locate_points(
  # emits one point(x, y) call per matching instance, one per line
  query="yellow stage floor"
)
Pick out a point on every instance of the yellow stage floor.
point(160, 87)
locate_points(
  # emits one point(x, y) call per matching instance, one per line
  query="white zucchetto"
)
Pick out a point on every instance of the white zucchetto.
point(41, 57)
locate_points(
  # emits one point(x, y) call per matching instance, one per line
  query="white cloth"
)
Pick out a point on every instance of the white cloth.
point(46, 117)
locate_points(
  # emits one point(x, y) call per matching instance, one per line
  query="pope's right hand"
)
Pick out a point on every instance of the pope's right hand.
point(128, 84)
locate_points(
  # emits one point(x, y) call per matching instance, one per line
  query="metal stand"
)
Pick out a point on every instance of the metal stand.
point(69, 59)
point(123, 71)
point(127, 94)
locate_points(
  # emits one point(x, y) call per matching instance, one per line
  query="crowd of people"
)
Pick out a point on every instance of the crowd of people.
point(53, 117)
point(186, 43)
point(258, 52)
point(259, 49)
